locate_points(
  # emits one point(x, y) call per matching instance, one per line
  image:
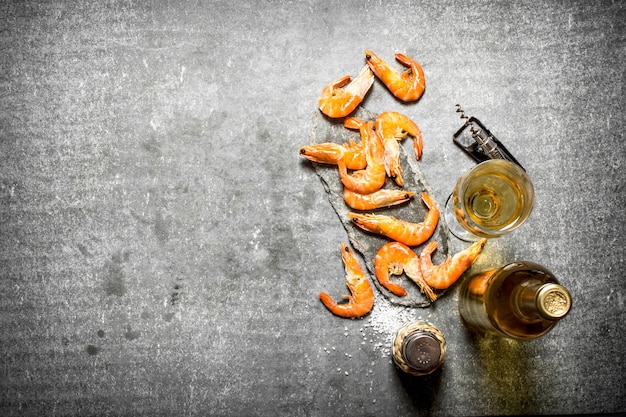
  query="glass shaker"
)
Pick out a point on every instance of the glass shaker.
point(419, 348)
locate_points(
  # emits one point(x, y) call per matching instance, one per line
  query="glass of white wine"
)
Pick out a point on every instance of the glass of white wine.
point(490, 200)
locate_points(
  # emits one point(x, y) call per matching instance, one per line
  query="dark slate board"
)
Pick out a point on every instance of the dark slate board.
point(368, 244)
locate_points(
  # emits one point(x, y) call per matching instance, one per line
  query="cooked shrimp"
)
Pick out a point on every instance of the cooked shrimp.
point(373, 177)
point(394, 258)
point(351, 153)
point(377, 199)
point(408, 86)
point(392, 127)
point(361, 297)
point(411, 234)
point(447, 273)
point(340, 97)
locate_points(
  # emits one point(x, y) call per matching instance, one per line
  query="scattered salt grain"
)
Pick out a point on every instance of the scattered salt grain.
point(385, 319)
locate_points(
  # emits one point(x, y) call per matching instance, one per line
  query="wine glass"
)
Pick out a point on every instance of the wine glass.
point(490, 200)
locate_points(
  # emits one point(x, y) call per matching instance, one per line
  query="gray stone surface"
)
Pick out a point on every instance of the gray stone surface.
point(162, 244)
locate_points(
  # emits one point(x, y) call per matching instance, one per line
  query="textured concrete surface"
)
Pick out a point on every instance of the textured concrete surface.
point(163, 244)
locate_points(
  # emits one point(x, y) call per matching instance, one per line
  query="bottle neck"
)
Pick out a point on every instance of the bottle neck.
point(534, 301)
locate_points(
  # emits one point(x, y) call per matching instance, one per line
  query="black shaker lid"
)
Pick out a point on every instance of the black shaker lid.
point(422, 351)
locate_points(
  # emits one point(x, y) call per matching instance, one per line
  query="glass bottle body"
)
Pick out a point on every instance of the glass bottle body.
point(522, 300)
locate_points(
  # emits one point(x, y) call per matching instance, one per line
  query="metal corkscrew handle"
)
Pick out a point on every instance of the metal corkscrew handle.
point(478, 142)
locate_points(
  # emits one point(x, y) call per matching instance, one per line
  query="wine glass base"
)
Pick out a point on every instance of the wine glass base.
point(454, 226)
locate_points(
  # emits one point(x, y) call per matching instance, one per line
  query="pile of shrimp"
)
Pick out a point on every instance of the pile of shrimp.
point(363, 168)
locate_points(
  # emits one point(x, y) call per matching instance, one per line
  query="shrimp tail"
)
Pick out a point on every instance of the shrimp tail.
point(335, 308)
point(418, 279)
point(352, 122)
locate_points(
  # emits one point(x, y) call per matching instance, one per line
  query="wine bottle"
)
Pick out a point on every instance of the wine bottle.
point(521, 300)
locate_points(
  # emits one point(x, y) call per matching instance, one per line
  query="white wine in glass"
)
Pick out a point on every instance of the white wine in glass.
point(492, 199)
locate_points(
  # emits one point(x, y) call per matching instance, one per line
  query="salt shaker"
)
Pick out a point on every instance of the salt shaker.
point(419, 348)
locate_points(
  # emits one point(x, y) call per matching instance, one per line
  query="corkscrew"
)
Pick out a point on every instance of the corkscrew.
point(478, 142)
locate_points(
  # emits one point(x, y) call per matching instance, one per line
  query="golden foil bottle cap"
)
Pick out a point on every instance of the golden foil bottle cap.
point(553, 301)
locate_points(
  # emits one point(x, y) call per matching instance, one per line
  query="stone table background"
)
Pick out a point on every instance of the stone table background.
point(162, 244)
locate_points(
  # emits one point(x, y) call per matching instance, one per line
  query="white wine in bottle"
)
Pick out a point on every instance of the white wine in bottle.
point(521, 300)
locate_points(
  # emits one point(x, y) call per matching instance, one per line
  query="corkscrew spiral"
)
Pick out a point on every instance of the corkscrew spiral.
point(463, 116)
point(466, 121)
